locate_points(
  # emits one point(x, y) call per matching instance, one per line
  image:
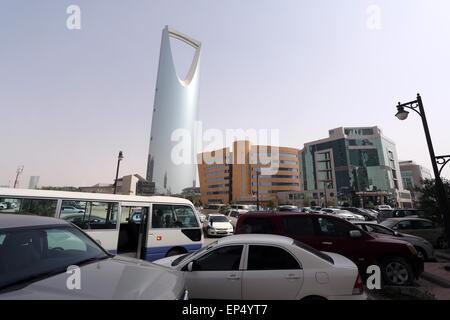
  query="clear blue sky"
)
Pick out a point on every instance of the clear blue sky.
point(70, 100)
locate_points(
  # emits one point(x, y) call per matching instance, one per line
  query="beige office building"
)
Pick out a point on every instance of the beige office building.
point(237, 175)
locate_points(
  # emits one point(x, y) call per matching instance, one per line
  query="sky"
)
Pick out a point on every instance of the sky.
point(71, 99)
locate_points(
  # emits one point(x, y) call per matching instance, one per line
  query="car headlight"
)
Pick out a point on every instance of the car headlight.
point(184, 295)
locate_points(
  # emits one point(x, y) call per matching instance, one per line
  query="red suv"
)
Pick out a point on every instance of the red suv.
point(398, 260)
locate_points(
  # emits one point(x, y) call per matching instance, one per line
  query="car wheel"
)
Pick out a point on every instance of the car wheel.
point(397, 272)
point(421, 253)
point(442, 243)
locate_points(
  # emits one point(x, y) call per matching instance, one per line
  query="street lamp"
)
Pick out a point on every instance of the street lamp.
point(119, 158)
point(402, 114)
point(257, 188)
point(326, 186)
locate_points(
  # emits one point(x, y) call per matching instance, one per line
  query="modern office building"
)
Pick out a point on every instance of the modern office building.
point(412, 176)
point(358, 166)
point(174, 112)
point(239, 174)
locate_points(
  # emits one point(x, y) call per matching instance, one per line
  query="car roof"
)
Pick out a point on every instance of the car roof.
point(256, 238)
point(19, 220)
point(283, 214)
point(406, 218)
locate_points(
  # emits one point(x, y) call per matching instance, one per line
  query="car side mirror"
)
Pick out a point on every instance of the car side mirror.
point(397, 234)
point(355, 234)
point(190, 266)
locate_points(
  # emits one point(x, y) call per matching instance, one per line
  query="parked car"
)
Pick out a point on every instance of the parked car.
point(423, 228)
point(213, 208)
point(3, 205)
point(267, 267)
point(368, 215)
point(309, 210)
point(70, 209)
point(383, 207)
point(35, 253)
point(399, 213)
point(288, 208)
point(233, 216)
point(217, 224)
point(344, 214)
point(425, 249)
point(397, 259)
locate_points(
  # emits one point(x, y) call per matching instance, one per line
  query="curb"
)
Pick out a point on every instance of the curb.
point(435, 279)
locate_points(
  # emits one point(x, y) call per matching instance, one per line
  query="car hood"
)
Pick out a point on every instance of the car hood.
point(167, 262)
point(224, 225)
point(114, 278)
point(404, 236)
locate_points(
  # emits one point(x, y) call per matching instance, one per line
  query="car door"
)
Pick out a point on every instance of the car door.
point(216, 274)
point(271, 273)
point(426, 229)
point(334, 236)
point(406, 226)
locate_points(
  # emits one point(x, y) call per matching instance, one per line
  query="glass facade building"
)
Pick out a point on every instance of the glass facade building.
point(355, 163)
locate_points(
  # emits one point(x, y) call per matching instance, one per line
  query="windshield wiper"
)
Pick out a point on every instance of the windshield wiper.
point(90, 260)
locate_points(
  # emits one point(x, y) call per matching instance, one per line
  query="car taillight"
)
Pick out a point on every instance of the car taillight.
point(358, 287)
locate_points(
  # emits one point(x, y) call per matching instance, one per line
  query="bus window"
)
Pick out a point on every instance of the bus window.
point(38, 207)
point(162, 216)
point(185, 216)
point(177, 216)
point(89, 214)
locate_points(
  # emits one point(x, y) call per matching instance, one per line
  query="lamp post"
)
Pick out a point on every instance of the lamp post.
point(119, 158)
point(326, 185)
point(257, 188)
point(402, 114)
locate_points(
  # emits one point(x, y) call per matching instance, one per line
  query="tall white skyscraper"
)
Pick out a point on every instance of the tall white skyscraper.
point(175, 107)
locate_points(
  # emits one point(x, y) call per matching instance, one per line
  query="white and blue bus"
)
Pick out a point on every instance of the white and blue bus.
point(148, 228)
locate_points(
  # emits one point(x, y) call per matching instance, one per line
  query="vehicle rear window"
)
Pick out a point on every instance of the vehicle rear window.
point(315, 252)
point(301, 226)
point(257, 225)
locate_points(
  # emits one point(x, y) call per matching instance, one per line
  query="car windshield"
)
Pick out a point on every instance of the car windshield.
point(178, 260)
point(315, 252)
point(33, 254)
point(379, 229)
point(218, 219)
point(388, 223)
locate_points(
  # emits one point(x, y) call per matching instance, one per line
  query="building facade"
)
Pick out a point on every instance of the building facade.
point(412, 176)
point(133, 185)
point(247, 172)
point(174, 114)
point(358, 166)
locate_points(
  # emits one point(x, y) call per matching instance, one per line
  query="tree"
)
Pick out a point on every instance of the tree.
point(428, 199)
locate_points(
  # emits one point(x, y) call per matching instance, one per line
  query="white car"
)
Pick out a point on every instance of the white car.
point(35, 253)
point(233, 216)
point(71, 209)
point(344, 214)
point(218, 225)
point(3, 205)
point(266, 267)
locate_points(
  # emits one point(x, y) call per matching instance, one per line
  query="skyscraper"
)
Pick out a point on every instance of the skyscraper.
point(175, 111)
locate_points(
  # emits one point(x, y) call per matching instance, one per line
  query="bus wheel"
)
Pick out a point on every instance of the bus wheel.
point(175, 252)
